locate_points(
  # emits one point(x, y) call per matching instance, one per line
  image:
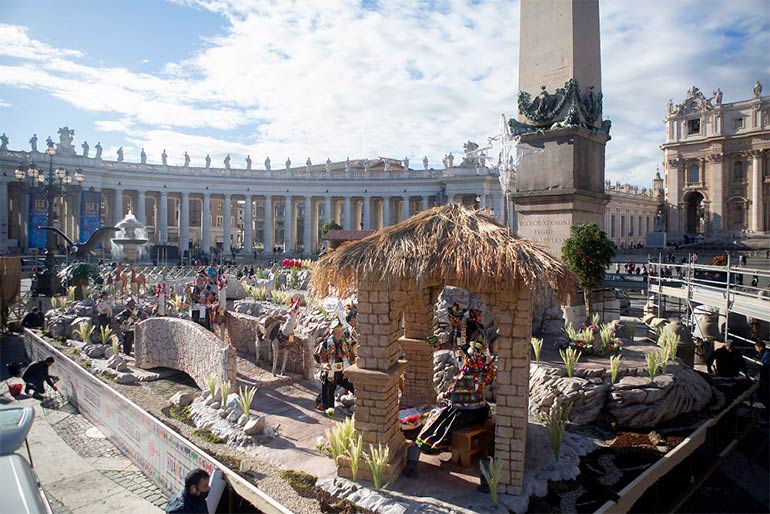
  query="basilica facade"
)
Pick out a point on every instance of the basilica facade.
point(717, 177)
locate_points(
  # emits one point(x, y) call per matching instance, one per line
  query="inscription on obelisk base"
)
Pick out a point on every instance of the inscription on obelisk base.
point(560, 110)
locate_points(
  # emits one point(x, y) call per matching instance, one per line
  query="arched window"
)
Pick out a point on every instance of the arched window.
point(693, 176)
point(738, 172)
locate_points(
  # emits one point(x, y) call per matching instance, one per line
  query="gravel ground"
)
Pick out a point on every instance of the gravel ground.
point(153, 397)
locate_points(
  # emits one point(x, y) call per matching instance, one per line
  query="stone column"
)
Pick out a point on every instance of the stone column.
point(717, 195)
point(405, 207)
point(267, 233)
point(366, 206)
point(24, 233)
point(226, 234)
point(206, 223)
point(247, 228)
point(288, 214)
point(386, 201)
point(328, 214)
point(117, 215)
point(141, 207)
point(307, 239)
point(4, 203)
point(163, 221)
point(756, 191)
point(346, 215)
point(425, 203)
point(184, 223)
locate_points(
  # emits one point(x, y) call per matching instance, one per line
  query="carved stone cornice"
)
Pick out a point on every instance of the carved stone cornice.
point(754, 154)
point(674, 162)
point(715, 157)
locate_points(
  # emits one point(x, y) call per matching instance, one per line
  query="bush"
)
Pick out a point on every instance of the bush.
point(208, 436)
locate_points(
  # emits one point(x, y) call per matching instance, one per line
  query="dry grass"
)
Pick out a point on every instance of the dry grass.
point(450, 244)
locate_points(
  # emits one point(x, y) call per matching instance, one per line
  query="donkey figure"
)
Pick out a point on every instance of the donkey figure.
point(281, 334)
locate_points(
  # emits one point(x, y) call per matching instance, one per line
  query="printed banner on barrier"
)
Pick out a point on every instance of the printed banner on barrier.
point(90, 214)
point(38, 217)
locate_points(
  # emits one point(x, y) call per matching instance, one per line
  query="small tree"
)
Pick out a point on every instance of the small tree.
point(332, 225)
point(588, 252)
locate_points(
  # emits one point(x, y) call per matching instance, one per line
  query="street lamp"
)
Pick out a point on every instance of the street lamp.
point(49, 186)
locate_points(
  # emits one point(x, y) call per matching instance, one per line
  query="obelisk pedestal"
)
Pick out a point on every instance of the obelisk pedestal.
point(560, 110)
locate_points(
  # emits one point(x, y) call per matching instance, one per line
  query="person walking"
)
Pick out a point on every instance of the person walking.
point(34, 319)
point(729, 362)
point(192, 500)
point(35, 376)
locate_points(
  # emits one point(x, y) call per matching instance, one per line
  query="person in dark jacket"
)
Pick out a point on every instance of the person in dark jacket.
point(728, 360)
point(36, 374)
point(193, 499)
point(34, 319)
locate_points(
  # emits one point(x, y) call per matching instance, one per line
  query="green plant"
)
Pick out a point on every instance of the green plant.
point(79, 274)
point(570, 356)
point(106, 334)
point(354, 451)
point(73, 351)
point(245, 397)
point(653, 363)
point(588, 252)
point(211, 383)
point(298, 480)
point(377, 458)
point(606, 331)
point(84, 331)
point(492, 473)
point(258, 293)
point(86, 364)
point(58, 302)
point(569, 331)
point(276, 282)
point(317, 305)
point(596, 320)
point(261, 274)
point(340, 437)
point(328, 227)
point(537, 346)
point(281, 298)
point(615, 362)
point(669, 342)
point(555, 422)
point(71, 293)
point(294, 280)
point(180, 413)
point(224, 389)
point(208, 435)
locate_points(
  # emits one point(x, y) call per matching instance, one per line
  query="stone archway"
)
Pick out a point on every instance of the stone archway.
point(695, 215)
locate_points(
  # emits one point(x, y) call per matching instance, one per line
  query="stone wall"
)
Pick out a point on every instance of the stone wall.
point(181, 344)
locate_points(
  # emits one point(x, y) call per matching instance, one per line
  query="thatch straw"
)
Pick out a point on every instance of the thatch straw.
point(450, 244)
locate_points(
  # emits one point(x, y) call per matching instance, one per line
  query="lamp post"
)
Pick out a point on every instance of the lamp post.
point(56, 183)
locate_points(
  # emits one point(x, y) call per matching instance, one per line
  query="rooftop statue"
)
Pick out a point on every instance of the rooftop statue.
point(718, 97)
point(120, 154)
point(49, 142)
point(65, 141)
point(450, 159)
point(164, 158)
point(85, 148)
point(227, 161)
point(757, 89)
point(288, 163)
point(186, 160)
point(387, 165)
point(328, 165)
point(425, 162)
point(33, 142)
point(143, 157)
point(267, 163)
point(248, 162)
point(99, 150)
point(308, 164)
point(670, 106)
point(347, 164)
point(208, 161)
point(405, 163)
point(3, 142)
point(366, 165)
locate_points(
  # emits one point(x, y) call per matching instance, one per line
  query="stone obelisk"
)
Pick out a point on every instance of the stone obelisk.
point(560, 110)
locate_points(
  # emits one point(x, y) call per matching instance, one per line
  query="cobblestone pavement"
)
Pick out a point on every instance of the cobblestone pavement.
point(88, 442)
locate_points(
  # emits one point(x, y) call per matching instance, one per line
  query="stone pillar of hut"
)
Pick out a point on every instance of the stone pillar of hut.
point(377, 375)
point(418, 324)
point(511, 307)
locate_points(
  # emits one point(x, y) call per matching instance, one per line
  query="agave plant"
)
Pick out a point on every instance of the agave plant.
point(245, 397)
point(605, 334)
point(615, 362)
point(106, 334)
point(537, 346)
point(570, 331)
point(115, 345)
point(71, 293)
point(492, 473)
point(378, 462)
point(354, 452)
point(224, 389)
point(653, 363)
point(85, 330)
point(211, 383)
point(570, 356)
point(555, 422)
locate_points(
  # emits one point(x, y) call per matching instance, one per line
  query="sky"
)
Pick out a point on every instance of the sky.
point(325, 79)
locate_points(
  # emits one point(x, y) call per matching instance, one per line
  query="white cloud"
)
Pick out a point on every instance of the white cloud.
point(330, 78)
point(3, 103)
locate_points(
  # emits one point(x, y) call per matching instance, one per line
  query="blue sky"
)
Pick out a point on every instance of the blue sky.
point(332, 78)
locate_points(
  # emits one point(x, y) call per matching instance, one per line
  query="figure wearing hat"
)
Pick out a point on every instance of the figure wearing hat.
point(201, 295)
point(331, 354)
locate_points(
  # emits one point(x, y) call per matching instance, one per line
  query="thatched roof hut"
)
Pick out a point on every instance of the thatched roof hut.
point(451, 244)
point(397, 273)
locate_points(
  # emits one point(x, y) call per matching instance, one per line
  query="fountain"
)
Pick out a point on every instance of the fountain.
point(129, 242)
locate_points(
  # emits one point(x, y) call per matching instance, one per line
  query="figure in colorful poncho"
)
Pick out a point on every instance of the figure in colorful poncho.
point(331, 354)
point(202, 296)
point(464, 403)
